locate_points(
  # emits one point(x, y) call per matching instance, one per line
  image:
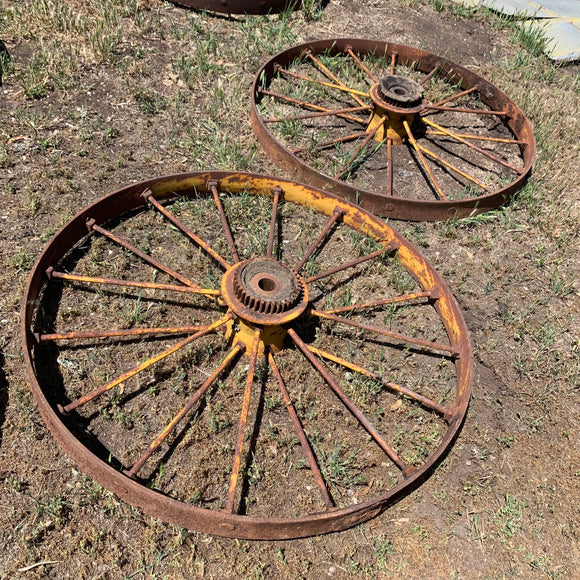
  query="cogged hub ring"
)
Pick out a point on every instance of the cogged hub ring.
point(400, 91)
point(267, 286)
point(265, 292)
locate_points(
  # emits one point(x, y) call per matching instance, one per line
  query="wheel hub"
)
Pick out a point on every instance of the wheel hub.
point(266, 286)
point(400, 91)
point(398, 99)
point(264, 291)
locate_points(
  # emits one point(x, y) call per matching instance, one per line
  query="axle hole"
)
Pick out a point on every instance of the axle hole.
point(267, 284)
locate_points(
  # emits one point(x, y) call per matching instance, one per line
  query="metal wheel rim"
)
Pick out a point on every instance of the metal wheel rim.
point(241, 6)
point(393, 206)
point(219, 522)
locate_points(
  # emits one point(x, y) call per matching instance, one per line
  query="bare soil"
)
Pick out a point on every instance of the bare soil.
point(162, 89)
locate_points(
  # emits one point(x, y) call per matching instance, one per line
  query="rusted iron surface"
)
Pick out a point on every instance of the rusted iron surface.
point(400, 113)
point(262, 309)
point(241, 6)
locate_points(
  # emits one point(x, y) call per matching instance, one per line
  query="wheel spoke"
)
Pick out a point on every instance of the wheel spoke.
point(131, 283)
point(118, 332)
point(144, 365)
point(463, 110)
point(331, 75)
point(478, 138)
point(311, 106)
point(340, 87)
point(337, 112)
point(456, 96)
point(236, 350)
point(352, 263)
point(432, 346)
point(331, 142)
point(429, 76)
point(452, 167)
point(306, 448)
point(91, 225)
point(242, 426)
point(360, 148)
point(424, 161)
point(148, 196)
point(425, 401)
point(393, 62)
point(276, 191)
point(362, 419)
point(377, 303)
point(336, 215)
point(361, 64)
point(213, 186)
point(389, 166)
point(472, 146)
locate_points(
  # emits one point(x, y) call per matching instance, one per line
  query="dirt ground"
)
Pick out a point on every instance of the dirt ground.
point(95, 96)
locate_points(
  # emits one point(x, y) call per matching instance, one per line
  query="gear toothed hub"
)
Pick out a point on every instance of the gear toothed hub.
point(400, 91)
point(267, 286)
point(264, 291)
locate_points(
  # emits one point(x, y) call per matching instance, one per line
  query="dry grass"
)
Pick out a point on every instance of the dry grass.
point(98, 94)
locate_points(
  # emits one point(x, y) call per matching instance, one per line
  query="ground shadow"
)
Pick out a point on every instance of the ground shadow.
point(3, 394)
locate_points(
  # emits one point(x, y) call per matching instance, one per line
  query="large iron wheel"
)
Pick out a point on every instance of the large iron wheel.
point(244, 356)
point(407, 134)
point(241, 6)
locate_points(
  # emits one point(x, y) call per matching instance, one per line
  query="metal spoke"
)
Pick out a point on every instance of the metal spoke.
point(456, 96)
point(472, 146)
point(243, 420)
point(389, 166)
point(331, 142)
point(306, 448)
point(118, 332)
point(51, 273)
point(425, 401)
point(328, 113)
point(423, 161)
point(236, 350)
point(383, 302)
point(429, 76)
point(361, 64)
point(351, 264)
point(452, 167)
point(212, 185)
point(362, 419)
point(144, 365)
point(148, 196)
point(336, 215)
point(276, 191)
point(311, 106)
point(340, 87)
point(394, 335)
point(91, 225)
point(360, 148)
point(393, 62)
point(330, 74)
point(463, 110)
point(478, 138)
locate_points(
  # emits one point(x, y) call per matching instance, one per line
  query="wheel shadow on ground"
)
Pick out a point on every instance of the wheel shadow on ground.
point(3, 394)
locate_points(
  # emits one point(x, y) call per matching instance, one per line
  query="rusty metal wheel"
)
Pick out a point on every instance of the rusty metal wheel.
point(241, 6)
point(407, 134)
point(244, 356)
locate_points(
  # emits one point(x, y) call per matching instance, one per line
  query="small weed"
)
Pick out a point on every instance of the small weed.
point(22, 261)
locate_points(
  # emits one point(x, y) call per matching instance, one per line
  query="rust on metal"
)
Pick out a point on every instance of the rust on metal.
point(262, 310)
point(400, 120)
point(241, 6)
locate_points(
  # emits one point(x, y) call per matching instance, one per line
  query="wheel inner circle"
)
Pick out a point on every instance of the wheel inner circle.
point(264, 291)
point(400, 91)
point(266, 286)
